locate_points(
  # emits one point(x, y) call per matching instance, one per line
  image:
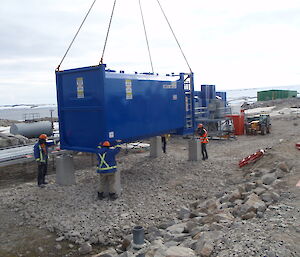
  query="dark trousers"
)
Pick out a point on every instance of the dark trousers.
point(204, 152)
point(42, 171)
point(164, 144)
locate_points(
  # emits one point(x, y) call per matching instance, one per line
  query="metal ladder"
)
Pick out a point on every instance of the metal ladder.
point(189, 102)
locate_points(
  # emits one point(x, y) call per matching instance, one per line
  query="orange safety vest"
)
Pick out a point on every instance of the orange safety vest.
point(203, 138)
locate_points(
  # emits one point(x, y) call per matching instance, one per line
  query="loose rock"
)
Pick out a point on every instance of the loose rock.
point(268, 179)
point(179, 251)
point(85, 248)
point(59, 239)
point(184, 213)
point(177, 228)
point(255, 202)
point(283, 166)
point(108, 253)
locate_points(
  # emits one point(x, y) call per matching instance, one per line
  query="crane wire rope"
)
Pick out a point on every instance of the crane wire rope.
point(145, 31)
point(104, 47)
point(57, 69)
point(174, 36)
point(112, 13)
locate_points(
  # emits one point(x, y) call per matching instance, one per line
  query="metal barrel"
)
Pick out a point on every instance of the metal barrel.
point(32, 129)
point(138, 235)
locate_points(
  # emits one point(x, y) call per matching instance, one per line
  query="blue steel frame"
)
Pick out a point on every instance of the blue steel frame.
point(95, 105)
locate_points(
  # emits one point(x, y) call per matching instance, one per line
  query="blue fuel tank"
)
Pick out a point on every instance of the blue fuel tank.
point(223, 97)
point(95, 105)
point(200, 109)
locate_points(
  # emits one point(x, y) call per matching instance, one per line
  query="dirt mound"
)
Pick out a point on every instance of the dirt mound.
point(283, 152)
point(7, 140)
point(279, 103)
point(7, 123)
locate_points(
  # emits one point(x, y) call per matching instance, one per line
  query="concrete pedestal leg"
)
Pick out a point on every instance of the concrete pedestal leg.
point(155, 147)
point(65, 174)
point(194, 150)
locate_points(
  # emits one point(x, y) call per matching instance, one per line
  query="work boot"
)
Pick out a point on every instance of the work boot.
point(41, 186)
point(45, 183)
point(113, 196)
point(100, 196)
point(203, 158)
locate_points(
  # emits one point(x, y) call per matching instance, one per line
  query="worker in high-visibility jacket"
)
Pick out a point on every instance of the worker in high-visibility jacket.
point(40, 151)
point(107, 168)
point(202, 133)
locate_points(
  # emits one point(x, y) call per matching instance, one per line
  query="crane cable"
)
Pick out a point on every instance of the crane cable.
point(112, 13)
point(57, 69)
point(101, 60)
point(174, 36)
point(145, 31)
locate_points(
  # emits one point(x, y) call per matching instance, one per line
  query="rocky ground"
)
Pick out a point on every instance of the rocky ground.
point(6, 123)
point(9, 140)
point(205, 208)
point(279, 103)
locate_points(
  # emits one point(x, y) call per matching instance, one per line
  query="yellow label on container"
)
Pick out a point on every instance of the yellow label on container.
point(128, 89)
point(80, 87)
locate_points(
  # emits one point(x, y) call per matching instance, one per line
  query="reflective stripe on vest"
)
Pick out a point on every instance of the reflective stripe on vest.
point(204, 139)
point(41, 155)
point(102, 158)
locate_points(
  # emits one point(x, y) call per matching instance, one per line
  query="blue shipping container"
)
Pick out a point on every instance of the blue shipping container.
point(95, 105)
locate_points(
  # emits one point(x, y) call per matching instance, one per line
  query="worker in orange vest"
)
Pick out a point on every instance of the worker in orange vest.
point(202, 133)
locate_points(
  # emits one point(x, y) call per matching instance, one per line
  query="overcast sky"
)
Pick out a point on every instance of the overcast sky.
point(230, 43)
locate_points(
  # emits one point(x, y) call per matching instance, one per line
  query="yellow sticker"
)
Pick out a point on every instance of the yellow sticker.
point(80, 87)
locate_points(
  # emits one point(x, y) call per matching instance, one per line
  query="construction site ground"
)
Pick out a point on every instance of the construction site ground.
point(154, 191)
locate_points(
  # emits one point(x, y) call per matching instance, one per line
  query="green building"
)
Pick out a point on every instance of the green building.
point(275, 94)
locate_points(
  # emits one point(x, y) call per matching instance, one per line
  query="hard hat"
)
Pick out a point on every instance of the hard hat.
point(106, 143)
point(200, 125)
point(43, 136)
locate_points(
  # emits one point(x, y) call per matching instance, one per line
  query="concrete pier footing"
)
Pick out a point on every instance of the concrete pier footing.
point(65, 173)
point(194, 150)
point(155, 147)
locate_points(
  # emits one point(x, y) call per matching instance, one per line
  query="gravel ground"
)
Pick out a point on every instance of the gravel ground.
point(155, 189)
point(152, 190)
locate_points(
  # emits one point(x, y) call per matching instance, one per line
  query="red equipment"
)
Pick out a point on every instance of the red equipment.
point(298, 145)
point(251, 158)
